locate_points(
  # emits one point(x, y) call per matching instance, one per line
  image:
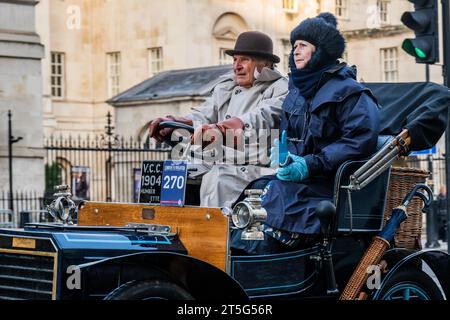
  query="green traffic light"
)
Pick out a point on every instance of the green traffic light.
point(420, 53)
point(409, 45)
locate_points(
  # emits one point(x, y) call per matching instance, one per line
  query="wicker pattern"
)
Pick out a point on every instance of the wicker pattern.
point(402, 181)
point(359, 277)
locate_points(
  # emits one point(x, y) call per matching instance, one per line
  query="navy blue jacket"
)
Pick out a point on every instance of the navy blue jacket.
point(340, 122)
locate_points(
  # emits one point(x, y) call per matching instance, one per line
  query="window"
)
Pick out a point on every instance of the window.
point(382, 6)
point(224, 58)
point(155, 61)
point(389, 64)
point(113, 72)
point(290, 6)
point(341, 8)
point(58, 74)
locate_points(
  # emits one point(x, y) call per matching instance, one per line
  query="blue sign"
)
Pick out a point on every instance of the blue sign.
point(173, 186)
point(426, 151)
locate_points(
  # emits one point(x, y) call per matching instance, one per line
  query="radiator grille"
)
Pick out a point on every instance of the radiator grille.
point(26, 277)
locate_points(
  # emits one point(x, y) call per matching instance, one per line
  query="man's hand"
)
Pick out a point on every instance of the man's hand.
point(208, 133)
point(160, 135)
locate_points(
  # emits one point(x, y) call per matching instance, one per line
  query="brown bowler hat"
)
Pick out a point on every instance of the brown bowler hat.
point(254, 43)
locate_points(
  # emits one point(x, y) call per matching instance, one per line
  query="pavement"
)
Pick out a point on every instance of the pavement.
point(437, 244)
point(440, 245)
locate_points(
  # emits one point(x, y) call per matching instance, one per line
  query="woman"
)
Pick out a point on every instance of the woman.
point(329, 118)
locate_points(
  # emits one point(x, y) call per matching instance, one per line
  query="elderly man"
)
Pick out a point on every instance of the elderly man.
point(248, 99)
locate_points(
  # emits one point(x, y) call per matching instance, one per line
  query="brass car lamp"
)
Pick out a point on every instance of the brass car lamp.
point(249, 215)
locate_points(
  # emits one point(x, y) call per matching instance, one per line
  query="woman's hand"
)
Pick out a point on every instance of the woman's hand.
point(278, 153)
point(295, 171)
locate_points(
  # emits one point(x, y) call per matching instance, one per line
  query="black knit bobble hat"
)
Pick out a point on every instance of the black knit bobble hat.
point(322, 32)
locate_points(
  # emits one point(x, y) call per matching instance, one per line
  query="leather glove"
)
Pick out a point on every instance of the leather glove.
point(160, 135)
point(295, 169)
point(208, 133)
point(278, 153)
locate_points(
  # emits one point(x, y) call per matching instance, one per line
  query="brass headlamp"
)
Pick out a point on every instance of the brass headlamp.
point(249, 215)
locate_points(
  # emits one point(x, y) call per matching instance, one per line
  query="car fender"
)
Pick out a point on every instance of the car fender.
point(398, 259)
point(203, 281)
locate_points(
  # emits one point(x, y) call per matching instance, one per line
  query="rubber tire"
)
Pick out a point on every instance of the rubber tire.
point(149, 289)
point(417, 278)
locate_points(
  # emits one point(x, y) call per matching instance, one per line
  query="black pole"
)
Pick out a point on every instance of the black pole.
point(431, 213)
point(110, 136)
point(446, 73)
point(10, 142)
point(427, 72)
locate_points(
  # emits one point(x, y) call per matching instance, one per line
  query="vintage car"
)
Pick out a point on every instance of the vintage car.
point(113, 251)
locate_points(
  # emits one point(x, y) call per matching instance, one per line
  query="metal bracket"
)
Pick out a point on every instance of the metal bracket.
point(152, 229)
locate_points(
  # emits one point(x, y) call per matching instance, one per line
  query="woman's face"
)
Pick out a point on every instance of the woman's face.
point(303, 51)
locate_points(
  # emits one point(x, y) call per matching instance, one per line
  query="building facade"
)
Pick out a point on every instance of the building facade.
point(99, 48)
point(21, 52)
point(96, 49)
point(374, 35)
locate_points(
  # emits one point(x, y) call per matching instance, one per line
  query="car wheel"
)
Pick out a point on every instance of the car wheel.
point(410, 284)
point(149, 290)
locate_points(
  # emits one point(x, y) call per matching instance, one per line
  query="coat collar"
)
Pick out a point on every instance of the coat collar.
point(336, 85)
point(266, 75)
point(226, 84)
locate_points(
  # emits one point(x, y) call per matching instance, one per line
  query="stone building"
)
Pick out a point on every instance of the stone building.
point(100, 48)
point(169, 92)
point(96, 49)
point(374, 35)
point(21, 52)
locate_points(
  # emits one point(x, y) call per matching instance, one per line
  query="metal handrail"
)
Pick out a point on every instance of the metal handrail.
point(379, 162)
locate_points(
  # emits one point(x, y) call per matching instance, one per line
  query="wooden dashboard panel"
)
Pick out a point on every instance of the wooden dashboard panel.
point(203, 231)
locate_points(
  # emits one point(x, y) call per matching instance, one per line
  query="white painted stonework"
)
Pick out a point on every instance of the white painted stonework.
point(21, 92)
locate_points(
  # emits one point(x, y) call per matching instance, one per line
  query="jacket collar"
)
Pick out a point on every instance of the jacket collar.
point(266, 75)
point(338, 71)
point(336, 85)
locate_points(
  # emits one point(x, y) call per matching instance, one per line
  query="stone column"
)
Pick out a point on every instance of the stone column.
point(21, 92)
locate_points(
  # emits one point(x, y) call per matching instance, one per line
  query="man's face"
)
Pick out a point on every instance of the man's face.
point(303, 51)
point(243, 68)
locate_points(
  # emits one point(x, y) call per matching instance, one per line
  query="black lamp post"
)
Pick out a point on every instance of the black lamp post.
point(11, 141)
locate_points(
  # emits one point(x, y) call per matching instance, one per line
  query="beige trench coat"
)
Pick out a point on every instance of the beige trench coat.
point(259, 107)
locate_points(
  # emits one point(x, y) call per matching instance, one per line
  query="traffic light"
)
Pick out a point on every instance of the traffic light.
point(424, 21)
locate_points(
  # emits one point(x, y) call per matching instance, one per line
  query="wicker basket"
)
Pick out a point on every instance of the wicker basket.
point(401, 182)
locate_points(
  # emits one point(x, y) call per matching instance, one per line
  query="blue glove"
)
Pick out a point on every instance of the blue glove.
point(296, 170)
point(279, 152)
